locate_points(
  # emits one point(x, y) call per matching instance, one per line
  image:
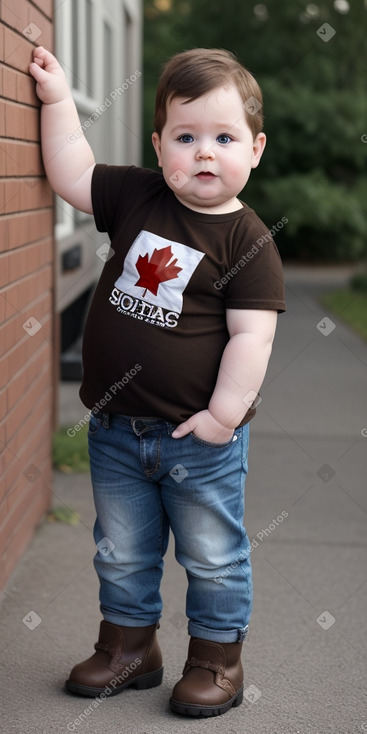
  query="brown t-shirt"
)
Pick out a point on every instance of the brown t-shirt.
point(156, 328)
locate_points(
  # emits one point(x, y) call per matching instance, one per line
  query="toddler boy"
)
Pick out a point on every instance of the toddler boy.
point(178, 337)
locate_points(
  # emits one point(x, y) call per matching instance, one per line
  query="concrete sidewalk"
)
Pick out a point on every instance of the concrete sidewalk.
point(305, 658)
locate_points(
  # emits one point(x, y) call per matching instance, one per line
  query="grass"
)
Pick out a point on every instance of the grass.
point(70, 452)
point(349, 306)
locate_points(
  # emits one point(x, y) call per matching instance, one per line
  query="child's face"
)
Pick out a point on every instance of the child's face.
point(206, 150)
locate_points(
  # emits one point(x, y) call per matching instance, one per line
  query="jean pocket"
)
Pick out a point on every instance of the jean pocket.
point(94, 424)
point(211, 444)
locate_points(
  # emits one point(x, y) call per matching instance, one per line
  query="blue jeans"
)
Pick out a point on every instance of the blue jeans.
point(146, 482)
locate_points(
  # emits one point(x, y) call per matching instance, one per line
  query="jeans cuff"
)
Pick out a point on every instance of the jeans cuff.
point(204, 633)
point(122, 621)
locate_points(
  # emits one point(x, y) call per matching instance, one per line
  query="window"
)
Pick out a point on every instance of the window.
point(82, 17)
point(89, 47)
point(98, 44)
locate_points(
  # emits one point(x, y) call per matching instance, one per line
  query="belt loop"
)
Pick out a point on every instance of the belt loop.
point(106, 420)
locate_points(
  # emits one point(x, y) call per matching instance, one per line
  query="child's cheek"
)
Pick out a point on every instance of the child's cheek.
point(237, 171)
point(177, 162)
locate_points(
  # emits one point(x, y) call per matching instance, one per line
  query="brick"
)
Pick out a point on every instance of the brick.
point(16, 508)
point(17, 265)
point(2, 340)
point(2, 308)
point(8, 300)
point(41, 223)
point(10, 195)
point(33, 191)
point(18, 230)
point(9, 82)
point(36, 449)
point(27, 227)
point(4, 269)
point(28, 259)
point(27, 348)
point(33, 456)
point(23, 295)
point(21, 159)
point(20, 195)
point(2, 118)
point(28, 21)
point(15, 125)
point(21, 121)
point(24, 344)
point(19, 439)
point(12, 331)
point(20, 383)
point(26, 90)
point(4, 369)
point(4, 234)
point(2, 195)
point(45, 26)
point(46, 6)
point(17, 358)
point(1, 41)
point(15, 15)
point(34, 343)
point(2, 433)
point(25, 405)
point(4, 510)
point(2, 470)
point(3, 404)
point(17, 50)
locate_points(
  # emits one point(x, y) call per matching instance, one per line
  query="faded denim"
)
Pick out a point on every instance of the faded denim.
point(144, 483)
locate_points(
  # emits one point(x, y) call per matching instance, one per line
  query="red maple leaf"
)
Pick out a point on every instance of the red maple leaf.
point(156, 270)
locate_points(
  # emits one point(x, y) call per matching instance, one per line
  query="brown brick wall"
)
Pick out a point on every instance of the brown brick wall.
point(26, 286)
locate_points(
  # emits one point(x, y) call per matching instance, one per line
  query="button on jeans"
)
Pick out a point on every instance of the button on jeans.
point(146, 482)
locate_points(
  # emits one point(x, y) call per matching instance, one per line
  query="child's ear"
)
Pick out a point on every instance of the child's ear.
point(258, 149)
point(157, 147)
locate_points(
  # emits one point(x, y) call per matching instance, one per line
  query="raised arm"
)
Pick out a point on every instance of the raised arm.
point(68, 158)
point(241, 373)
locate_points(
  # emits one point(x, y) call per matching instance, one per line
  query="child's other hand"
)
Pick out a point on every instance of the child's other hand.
point(204, 426)
point(51, 81)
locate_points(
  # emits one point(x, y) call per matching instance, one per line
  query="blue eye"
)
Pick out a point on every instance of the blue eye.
point(186, 138)
point(223, 139)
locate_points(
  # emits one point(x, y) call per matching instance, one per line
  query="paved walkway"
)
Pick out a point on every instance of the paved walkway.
point(305, 659)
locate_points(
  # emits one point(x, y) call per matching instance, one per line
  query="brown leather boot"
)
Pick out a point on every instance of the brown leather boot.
point(212, 679)
point(125, 656)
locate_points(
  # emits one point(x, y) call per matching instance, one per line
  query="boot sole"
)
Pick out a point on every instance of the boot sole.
point(195, 709)
point(148, 680)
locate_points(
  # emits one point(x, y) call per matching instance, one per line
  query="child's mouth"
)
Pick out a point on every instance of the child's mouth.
point(205, 175)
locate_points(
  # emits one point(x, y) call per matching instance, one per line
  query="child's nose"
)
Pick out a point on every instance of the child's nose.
point(205, 153)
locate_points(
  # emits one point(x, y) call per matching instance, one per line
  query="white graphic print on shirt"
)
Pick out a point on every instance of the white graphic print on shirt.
point(155, 274)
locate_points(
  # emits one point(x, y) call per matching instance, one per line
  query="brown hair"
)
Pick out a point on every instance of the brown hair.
point(190, 74)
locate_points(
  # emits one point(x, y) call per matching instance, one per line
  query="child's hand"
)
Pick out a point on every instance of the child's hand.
point(204, 425)
point(51, 81)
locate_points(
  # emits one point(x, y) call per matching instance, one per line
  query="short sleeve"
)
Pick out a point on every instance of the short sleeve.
point(107, 185)
point(256, 278)
point(116, 191)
